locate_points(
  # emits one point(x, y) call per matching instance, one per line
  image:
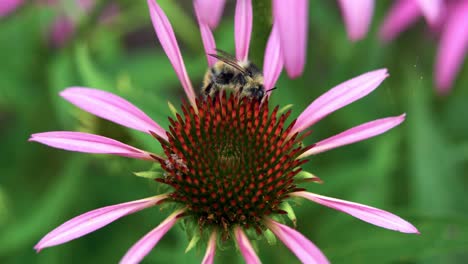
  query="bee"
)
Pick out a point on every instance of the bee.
point(242, 77)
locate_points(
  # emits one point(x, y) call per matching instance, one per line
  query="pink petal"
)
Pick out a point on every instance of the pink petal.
point(166, 36)
point(210, 250)
point(245, 247)
point(292, 20)
point(206, 35)
point(355, 134)
point(452, 48)
point(338, 97)
point(88, 143)
point(431, 9)
point(86, 5)
point(273, 59)
point(61, 31)
point(93, 220)
point(113, 108)
point(110, 13)
point(357, 15)
point(8, 6)
point(243, 28)
point(303, 248)
point(141, 248)
point(365, 213)
point(210, 11)
point(402, 14)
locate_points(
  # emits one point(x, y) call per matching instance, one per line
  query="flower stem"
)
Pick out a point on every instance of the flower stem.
point(262, 23)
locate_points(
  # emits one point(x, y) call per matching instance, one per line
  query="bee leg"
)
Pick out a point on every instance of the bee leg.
point(207, 90)
point(239, 82)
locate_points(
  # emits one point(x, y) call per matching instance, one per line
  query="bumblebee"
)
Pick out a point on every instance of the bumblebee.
point(242, 77)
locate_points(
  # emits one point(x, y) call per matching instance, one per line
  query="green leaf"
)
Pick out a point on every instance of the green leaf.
point(270, 237)
point(87, 70)
point(291, 215)
point(149, 174)
point(285, 108)
point(193, 242)
point(172, 108)
point(439, 237)
point(436, 185)
point(42, 216)
point(305, 176)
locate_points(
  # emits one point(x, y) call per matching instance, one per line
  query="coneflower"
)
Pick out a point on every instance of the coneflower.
point(232, 163)
point(449, 19)
point(292, 20)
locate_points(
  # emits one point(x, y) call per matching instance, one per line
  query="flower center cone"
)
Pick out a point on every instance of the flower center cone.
point(232, 162)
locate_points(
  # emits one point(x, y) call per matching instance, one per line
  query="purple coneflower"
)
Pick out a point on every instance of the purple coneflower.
point(231, 162)
point(292, 20)
point(448, 18)
point(63, 28)
point(8, 6)
point(357, 15)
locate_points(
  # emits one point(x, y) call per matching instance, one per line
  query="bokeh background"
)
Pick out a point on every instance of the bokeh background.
point(417, 170)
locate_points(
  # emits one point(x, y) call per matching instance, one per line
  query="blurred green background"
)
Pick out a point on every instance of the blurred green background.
point(417, 170)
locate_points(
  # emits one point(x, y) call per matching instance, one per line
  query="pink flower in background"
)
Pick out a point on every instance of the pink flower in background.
point(8, 6)
point(404, 13)
point(357, 15)
point(453, 45)
point(292, 20)
point(210, 11)
point(64, 25)
point(448, 19)
point(231, 162)
point(61, 30)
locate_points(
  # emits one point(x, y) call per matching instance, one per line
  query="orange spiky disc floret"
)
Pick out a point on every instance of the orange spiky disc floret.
point(232, 162)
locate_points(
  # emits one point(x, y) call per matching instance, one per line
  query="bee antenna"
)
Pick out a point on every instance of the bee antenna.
point(271, 89)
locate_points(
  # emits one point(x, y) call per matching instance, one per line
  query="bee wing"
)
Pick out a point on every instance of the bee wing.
point(231, 62)
point(226, 54)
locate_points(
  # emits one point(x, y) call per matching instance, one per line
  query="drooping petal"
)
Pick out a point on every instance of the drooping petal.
point(273, 59)
point(357, 15)
point(243, 28)
point(338, 97)
point(93, 220)
point(355, 134)
point(210, 11)
point(8, 6)
point(365, 213)
point(431, 9)
point(402, 14)
point(292, 20)
point(303, 248)
point(88, 143)
point(245, 247)
point(113, 108)
point(452, 48)
point(141, 248)
point(207, 36)
point(166, 37)
point(210, 250)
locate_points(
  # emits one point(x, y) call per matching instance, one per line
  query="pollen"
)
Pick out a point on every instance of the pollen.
point(232, 162)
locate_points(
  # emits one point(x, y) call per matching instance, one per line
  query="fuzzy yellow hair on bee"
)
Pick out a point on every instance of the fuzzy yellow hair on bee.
point(241, 77)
